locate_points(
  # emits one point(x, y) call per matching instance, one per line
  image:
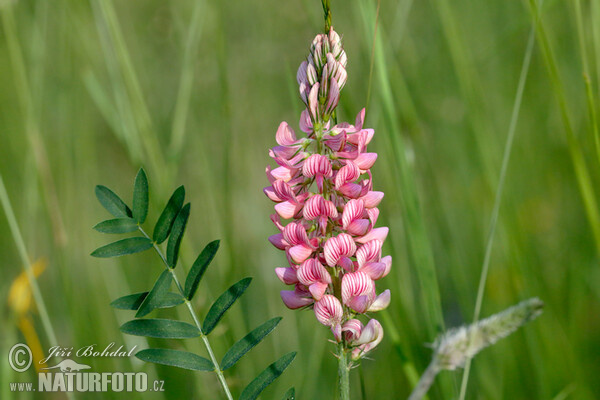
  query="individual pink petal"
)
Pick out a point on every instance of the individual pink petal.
point(351, 190)
point(317, 290)
point(387, 260)
point(287, 209)
point(354, 209)
point(348, 173)
point(300, 252)
point(295, 233)
point(287, 275)
point(337, 332)
point(370, 251)
point(312, 271)
point(360, 304)
point(313, 101)
point(360, 119)
point(293, 300)
point(306, 125)
point(285, 135)
point(337, 247)
point(375, 270)
point(284, 191)
point(373, 214)
point(381, 302)
point(328, 310)
point(301, 74)
point(277, 241)
point(283, 152)
point(317, 164)
point(356, 284)
point(358, 227)
point(271, 194)
point(371, 333)
point(375, 234)
point(283, 173)
point(365, 160)
point(352, 329)
point(336, 142)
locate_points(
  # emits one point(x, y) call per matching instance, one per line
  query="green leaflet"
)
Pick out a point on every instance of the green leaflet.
point(199, 267)
point(117, 225)
point(123, 247)
point(112, 202)
point(154, 298)
point(222, 304)
point(175, 358)
point(244, 345)
point(167, 217)
point(272, 372)
point(140, 197)
point(133, 301)
point(176, 235)
point(160, 328)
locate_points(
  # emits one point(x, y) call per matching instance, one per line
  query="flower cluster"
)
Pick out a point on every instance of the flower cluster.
point(324, 185)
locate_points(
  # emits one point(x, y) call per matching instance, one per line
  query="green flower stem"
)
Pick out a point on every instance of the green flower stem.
point(343, 372)
point(218, 370)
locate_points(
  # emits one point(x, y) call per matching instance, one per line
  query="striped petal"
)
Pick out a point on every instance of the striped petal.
point(300, 253)
point(352, 329)
point(353, 210)
point(312, 271)
point(370, 251)
point(329, 311)
point(357, 284)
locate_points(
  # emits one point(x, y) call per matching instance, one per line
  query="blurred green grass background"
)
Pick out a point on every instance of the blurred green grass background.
point(193, 91)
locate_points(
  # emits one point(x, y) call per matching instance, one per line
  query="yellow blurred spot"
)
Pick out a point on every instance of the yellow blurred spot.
point(20, 301)
point(19, 294)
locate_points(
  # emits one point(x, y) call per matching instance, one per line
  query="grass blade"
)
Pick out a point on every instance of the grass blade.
point(167, 217)
point(244, 345)
point(123, 247)
point(176, 235)
point(175, 358)
point(133, 301)
point(154, 298)
point(140, 197)
point(117, 225)
point(199, 268)
point(272, 372)
point(112, 202)
point(160, 328)
point(223, 303)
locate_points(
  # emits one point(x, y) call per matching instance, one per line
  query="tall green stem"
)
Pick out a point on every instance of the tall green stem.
point(343, 373)
point(327, 14)
point(213, 359)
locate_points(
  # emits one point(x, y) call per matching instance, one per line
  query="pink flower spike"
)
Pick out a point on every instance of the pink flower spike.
point(287, 275)
point(381, 302)
point(329, 311)
point(293, 300)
